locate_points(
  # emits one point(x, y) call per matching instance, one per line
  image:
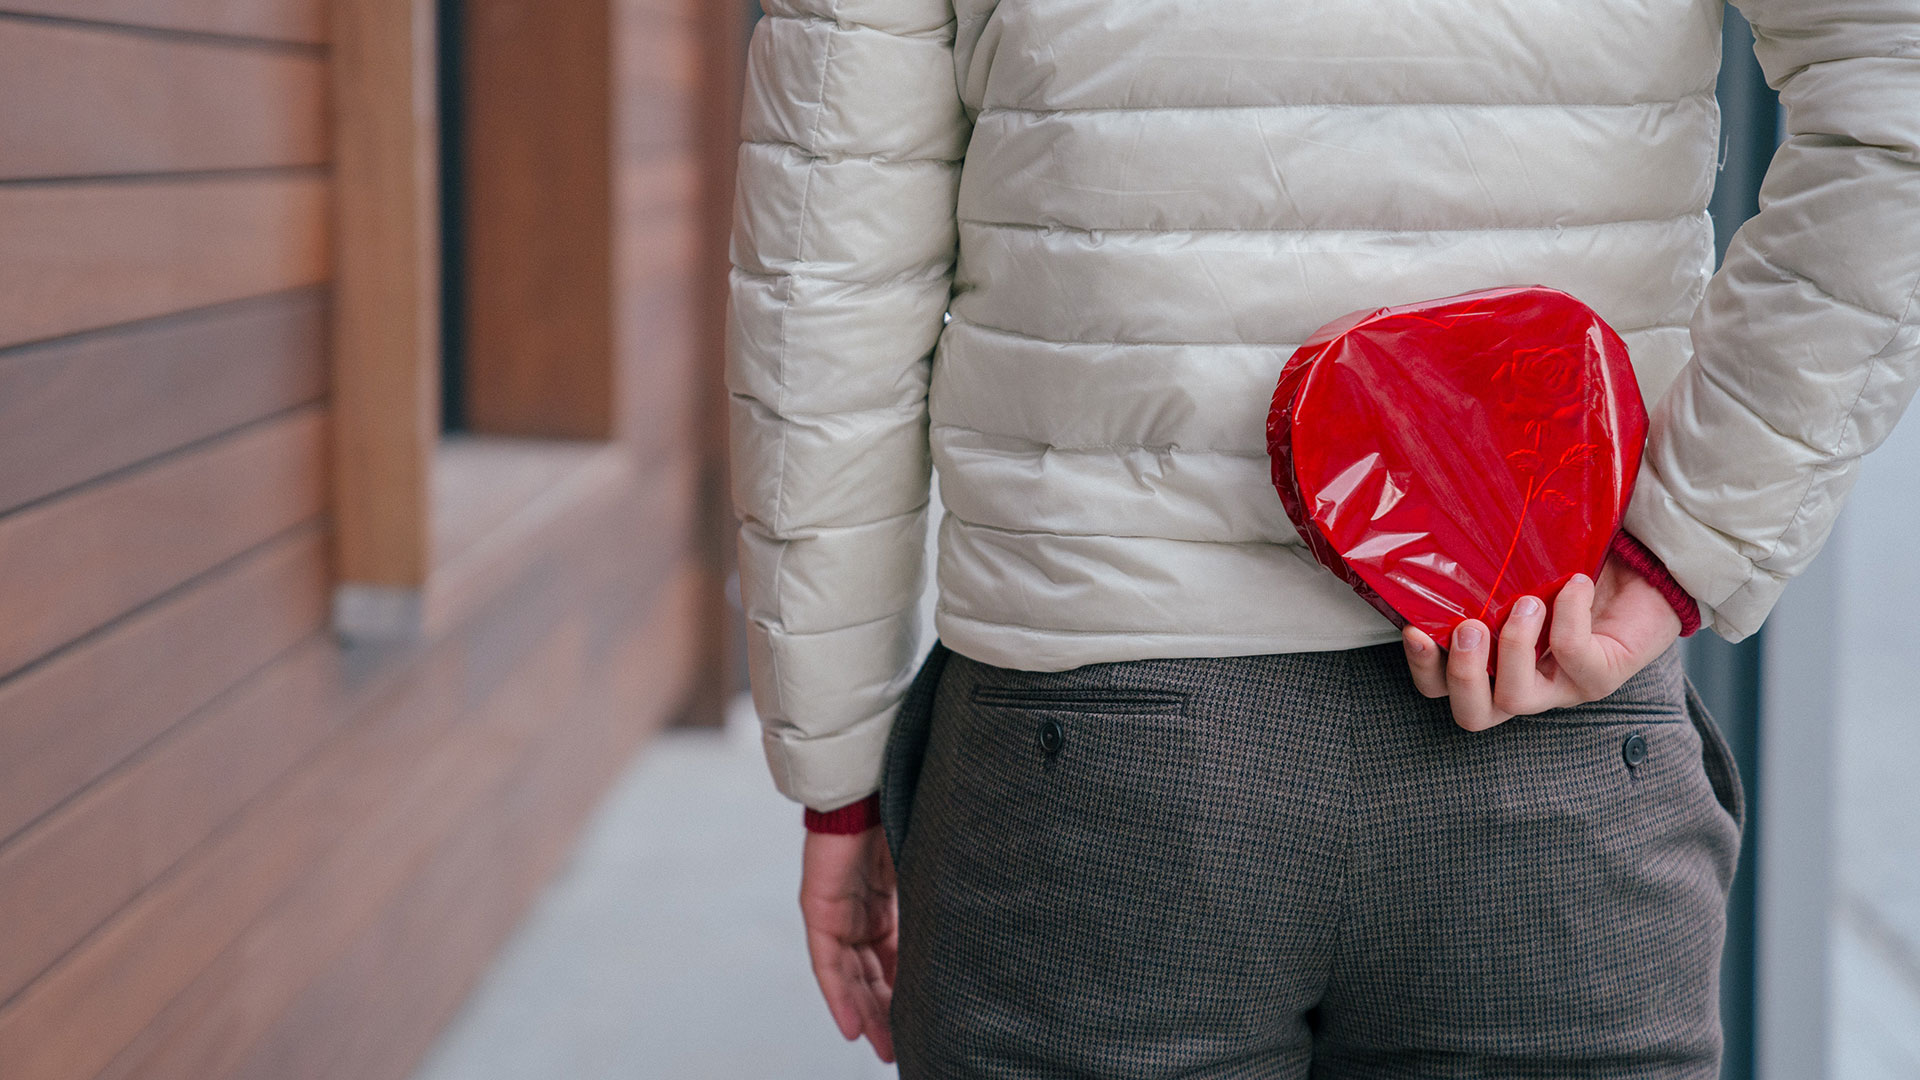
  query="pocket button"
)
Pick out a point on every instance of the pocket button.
point(1634, 750)
point(1052, 737)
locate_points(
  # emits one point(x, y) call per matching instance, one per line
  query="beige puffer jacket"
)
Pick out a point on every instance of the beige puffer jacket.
point(1132, 212)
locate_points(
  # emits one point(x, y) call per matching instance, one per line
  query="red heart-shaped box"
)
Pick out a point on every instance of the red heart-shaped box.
point(1449, 457)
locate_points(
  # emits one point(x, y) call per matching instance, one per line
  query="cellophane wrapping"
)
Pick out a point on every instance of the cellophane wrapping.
point(1447, 458)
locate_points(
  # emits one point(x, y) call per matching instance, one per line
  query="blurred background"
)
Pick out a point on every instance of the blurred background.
point(370, 691)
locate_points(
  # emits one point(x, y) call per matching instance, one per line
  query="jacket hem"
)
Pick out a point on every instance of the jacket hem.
point(1024, 648)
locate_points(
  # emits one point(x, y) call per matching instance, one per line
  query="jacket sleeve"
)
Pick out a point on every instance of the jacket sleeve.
point(843, 254)
point(1805, 347)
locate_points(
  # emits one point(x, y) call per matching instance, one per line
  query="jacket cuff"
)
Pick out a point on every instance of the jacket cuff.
point(1648, 565)
point(848, 820)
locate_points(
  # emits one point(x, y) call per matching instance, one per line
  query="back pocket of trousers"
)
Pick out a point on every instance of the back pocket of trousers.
point(1717, 757)
point(1079, 699)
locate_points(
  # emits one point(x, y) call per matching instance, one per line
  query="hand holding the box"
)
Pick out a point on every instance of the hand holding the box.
point(1602, 633)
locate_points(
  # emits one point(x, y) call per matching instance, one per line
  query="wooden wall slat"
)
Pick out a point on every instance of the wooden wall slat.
point(420, 728)
point(661, 65)
point(660, 15)
point(72, 871)
point(459, 781)
point(76, 563)
point(480, 482)
point(76, 409)
point(490, 563)
point(76, 256)
point(375, 990)
point(76, 1017)
point(658, 335)
point(661, 193)
point(86, 102)
point(458, 909)
point(396, 984)
point(723, 77)
point(69, 721)
point(663, 418)
point(299, 21)
point(658, 73)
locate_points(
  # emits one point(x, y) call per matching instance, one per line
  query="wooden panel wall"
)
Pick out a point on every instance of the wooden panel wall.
point(228, 846)
point(270, 22)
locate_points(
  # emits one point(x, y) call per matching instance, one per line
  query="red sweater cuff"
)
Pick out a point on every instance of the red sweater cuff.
point(1648, 565)
point(847, 820)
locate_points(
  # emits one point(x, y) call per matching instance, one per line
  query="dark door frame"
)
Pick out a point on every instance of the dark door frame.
point(1731, 677)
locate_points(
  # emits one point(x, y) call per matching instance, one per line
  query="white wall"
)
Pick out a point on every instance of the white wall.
point(1874, 966)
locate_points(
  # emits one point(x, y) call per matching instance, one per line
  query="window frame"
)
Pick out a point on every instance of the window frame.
point(426, 522)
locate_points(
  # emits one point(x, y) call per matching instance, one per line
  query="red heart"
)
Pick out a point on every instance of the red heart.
point(1449, 457)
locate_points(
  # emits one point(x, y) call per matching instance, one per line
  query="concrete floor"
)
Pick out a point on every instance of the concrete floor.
point(670, 948)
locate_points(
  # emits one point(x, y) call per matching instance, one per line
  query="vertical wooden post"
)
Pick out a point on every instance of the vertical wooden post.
point(386, 310)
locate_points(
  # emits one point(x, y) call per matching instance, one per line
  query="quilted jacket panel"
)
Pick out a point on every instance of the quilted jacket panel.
point(1060, 249)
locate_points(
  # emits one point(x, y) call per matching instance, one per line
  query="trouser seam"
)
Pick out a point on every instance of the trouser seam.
point(1349, 837)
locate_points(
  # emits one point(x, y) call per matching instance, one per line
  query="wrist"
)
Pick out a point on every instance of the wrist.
point(1641, 560)
point(847, 820)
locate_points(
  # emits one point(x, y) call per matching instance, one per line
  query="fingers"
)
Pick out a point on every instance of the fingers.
point(880, 964)
point(1460, 674)
point(829, 956)
point(888, 950)
point(1574, 647)
point(853, 981)
point(876, 1006)
point(1425, 662)
point(1467, 685)
point(1518, 689)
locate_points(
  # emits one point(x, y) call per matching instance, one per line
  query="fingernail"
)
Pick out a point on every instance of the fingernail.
point(1467, 638)
point(1528, 607)
point(1419, 646)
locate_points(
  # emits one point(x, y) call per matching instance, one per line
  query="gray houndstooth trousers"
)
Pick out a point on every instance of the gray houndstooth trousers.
point(1294, 865)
